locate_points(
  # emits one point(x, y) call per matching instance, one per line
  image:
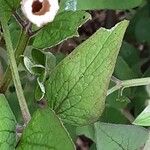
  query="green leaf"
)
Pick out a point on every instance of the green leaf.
point(143, 12)
point(147, 145)
point(87, 130)
point(131, 58)
point(123, 71)
point(113, 115)
point(38, 56)
point(99, 4)
point(45, 132)
point(144, 118)
point(142, 30)
point(7, 7)
point(117, 137)
point(46, 59)
point(40, 89)
point(32, 67)
point(15, 31)
point(77, 87)
point(63, 27)
point(139, 100)
point(129, 54)
point(7, 126)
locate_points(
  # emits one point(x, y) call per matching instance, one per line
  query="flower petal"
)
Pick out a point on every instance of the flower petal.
point(40, 12)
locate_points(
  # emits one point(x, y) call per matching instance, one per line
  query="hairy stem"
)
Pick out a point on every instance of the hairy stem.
point(128, 83)
point(24, 38)
point(14, 72)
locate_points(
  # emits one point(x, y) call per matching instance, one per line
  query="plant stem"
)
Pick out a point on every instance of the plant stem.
point(15, 74)
point(127, 114)
point(128, 83)
point(19, 19)
point(23, 41)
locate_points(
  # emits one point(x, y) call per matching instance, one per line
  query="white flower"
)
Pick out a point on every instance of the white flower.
point(40, 12)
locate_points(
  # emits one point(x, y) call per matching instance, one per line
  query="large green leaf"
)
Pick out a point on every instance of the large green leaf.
point(77, 87)
point(7, 7)
point(99, 4)
point(7, 126)
point(45, 132)
point(63, 27)
point(115, 137)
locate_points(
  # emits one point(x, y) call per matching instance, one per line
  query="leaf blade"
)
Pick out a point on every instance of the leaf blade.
point(43, 132)
point(99, 4)
point(77, 87)
point(115, 136)
point(7, 125)
point(7, 7)
point(63, 27)
point(119, 137)
point(144, 118)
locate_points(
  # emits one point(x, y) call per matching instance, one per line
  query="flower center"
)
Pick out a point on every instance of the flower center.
point(40, 8)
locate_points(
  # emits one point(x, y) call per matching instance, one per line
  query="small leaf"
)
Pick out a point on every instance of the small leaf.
point(63, 27)
point(144, 118)
point(33, 68)
point(119, 137)
point(45, 132)
point(99, 4)
point(77, 87)
point(50, 62)
point(7, 126)
point(115, 137)
point(38, 56)
point(28, 64)
point(40, 89)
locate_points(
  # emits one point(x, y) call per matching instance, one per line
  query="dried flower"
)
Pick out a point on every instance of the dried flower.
point(40, 12)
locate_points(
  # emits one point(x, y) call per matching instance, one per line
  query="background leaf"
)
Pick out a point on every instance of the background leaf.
point(99, 4)
point(7, 126)
point(77, 87)
point(63, 27)
point(118, 137)
point(144, 118)
point(7, 7)
point(45, 131)
point(147, 145)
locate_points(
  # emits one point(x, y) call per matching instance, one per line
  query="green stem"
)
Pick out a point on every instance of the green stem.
point(129, 83)
point(23, 41)
point(15, 74)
